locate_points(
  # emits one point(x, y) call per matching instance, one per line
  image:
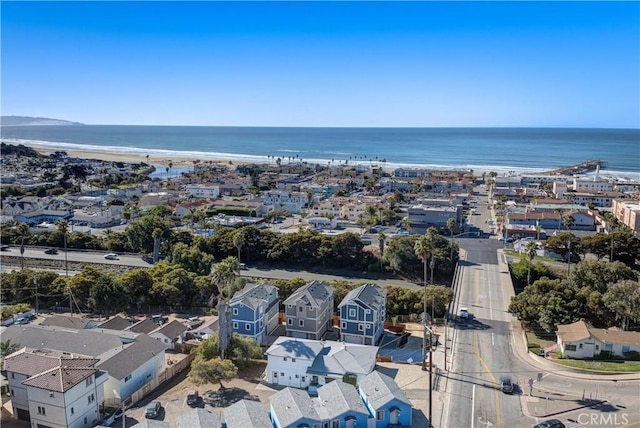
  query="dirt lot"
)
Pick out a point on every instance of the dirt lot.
point(173, 395)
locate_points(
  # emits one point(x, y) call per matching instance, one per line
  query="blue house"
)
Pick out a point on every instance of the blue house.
point(293, 408)
point(385, 400)
point(362, 315)
point(254, 311)
point(340, 406)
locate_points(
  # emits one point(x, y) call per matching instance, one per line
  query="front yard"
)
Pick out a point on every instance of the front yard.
point(604, 366)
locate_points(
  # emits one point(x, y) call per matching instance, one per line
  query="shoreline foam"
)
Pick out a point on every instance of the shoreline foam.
point(186, 158)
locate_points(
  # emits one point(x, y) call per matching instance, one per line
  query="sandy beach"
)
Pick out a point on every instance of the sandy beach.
point(131, 158)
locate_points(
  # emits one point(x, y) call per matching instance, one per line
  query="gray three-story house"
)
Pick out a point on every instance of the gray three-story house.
point(309, 311)
point(362, 315)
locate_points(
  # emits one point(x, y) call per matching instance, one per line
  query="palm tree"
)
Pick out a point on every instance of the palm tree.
point(156, 235)
point(8, 348)
point(531, 252)
point(23, 230)
point(381, 239)
point(239, 239)
point(614, 224)
point(568, 222)
point(63, 228)
point(423, 249)
point(224, 274)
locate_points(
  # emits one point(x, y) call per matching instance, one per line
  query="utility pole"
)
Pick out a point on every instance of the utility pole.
point(35, 284)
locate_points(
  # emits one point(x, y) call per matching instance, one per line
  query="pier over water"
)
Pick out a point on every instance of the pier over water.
point(579, 168)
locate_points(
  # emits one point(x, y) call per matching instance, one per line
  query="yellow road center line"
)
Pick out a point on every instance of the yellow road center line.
point(484, 364)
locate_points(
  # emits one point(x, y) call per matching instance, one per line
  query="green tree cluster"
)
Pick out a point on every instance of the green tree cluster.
point(604, 294)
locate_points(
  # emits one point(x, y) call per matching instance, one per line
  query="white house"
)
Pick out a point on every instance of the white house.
point(203, 190)
point(292, 202)
point(133, 361)
point(170, 333)
point(580, 340)
point(301, 363)
point(591, 185)
point(55, 390)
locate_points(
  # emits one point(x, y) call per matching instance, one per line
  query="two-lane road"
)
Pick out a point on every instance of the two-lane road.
point(482, 352)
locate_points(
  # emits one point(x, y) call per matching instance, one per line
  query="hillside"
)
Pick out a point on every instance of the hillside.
point(32, 121)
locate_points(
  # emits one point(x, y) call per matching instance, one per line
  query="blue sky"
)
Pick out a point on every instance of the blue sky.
point(389, 64)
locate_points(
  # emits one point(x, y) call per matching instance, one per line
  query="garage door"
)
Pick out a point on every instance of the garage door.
point(23, 415)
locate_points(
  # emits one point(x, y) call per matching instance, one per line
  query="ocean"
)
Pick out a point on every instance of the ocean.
point(486, 149)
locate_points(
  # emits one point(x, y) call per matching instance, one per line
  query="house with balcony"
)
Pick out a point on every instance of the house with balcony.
point(303, 363)
point(385, 400)
point(254, 311)
point(309, 311)
point(132, 361)
point(292, 202)
point(362, 315)
point(377, 402)
point(54, 389)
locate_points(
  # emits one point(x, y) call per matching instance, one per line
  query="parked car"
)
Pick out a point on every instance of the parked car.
point(153, 410)
point(111, 256)
point(192, 398)
point(572, 257)
point(51, 251)
point(21, 321)
point(464, 313)
point(506, 385)
point(4, 247)
point(551, 423)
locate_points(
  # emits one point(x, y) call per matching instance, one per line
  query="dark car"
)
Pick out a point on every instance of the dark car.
point(51, 251)
point(153, 410)
point(572, 257)
point(4, 247)
point(506, 385)
point(551, 423)
point(192, 398)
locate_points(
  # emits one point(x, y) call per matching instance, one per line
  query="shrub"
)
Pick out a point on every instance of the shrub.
point(633, 356)
point(605, 355)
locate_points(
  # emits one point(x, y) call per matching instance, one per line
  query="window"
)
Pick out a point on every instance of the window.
point(293, 360)
point(91, 399)
point(580, 346)
point(282, 374)
point(275, 374)
point(128, 378)
point(335, 424)
point(311, 309)
point(235, 325)
point(570, 347)
point(380, 415)
point(297, 376)
point(608, 346)
point(360, 327)
point(247, 326)
point(284, 359)
point(42, 410)
point(290, 306)
point(72, 411)
point(301, 323)
point(352, 313)
point(235, 311)
point(13, 375)
point(625, 349)
point(343, 325)
point(300, 308)
point(89, 381)
point(289, 321)
point(368, 311)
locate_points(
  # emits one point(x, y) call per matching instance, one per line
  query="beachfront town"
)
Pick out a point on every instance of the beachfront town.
point(290, 294)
